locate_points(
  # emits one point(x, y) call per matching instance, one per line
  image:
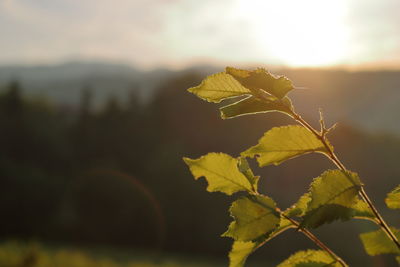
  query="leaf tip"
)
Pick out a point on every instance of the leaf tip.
point(187, 160)
point(228, 232)
point(223, 115)
point(192, 89)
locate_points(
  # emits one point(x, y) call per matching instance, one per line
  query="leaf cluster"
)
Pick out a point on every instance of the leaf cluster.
point(334, 195)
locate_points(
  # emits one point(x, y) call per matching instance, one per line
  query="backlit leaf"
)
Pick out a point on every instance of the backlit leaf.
point(310, 258)
point(262, 79)
point(377, 242)
point(221, 171)
point(219, 86)
point(361, 210)
point(393, 198)
point(254, 216)
point(244, 168)
point(332, 196)
point(283, 143)
point(239, 253)
point(300, 207)
point(253, 105)
point(241, 250)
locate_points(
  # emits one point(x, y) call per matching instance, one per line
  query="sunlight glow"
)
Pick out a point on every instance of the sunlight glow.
point(298, 33)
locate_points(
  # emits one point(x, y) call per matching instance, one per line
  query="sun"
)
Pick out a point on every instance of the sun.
point(298, 33)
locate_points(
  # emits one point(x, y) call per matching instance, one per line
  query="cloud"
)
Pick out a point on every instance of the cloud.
point(375, 30)
point(207, 28)
point(153, 32)
point(47, 30)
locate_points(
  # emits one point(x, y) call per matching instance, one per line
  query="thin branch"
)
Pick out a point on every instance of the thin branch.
point(306, 232)
point(318, 242)
point(332, 156)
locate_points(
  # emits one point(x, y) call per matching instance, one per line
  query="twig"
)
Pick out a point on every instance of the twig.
point(332, 156)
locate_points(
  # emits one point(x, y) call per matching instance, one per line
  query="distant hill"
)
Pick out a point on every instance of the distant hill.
point(369, 99)
point(63, 83)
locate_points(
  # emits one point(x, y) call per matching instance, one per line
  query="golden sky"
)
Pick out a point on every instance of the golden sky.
point(153, 33)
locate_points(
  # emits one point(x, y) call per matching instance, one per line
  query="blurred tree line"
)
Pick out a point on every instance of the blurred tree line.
point(115, 176)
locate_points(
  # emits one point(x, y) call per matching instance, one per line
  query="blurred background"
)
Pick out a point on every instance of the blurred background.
point(95, 118)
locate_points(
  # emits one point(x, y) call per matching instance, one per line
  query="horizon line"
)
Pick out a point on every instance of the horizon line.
point(210, 63)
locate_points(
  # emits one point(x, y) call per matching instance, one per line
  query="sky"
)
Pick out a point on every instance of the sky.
point(178, 33)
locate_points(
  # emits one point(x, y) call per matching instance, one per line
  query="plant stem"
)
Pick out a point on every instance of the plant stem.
point(318, 242)
point(305, 231)
point(332, 156)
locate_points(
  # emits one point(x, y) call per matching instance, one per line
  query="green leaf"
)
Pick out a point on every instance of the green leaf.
point(239, 253)
point(377, 242)
point(254, 216)
point(241, 250)
point(244, 168)
point(361, 210)
point(219, 86)
point(333, 194)
point(310, 258)
point(221, 172)
point(393, 198)
point(262, 79)
point(253, 105)
point(283, 143)
point(300, 207)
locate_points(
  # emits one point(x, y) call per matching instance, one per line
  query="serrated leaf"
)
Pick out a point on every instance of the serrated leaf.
point(332, 196)
point(221, 172)
point(310, 258)
point(283, 143)
point(300, 207)
point(254, 216)
point(262, 79)
point(393, 198)
point(244, 168)
point(359, 209)
point(253, 105)
point(241, 250)
point(219, 86)
point(239, 253)
point(377, 242)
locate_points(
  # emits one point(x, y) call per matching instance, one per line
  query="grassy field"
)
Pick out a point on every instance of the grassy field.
point(31, 254)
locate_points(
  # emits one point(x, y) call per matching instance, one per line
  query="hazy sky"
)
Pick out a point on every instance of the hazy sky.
point(151, 33)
